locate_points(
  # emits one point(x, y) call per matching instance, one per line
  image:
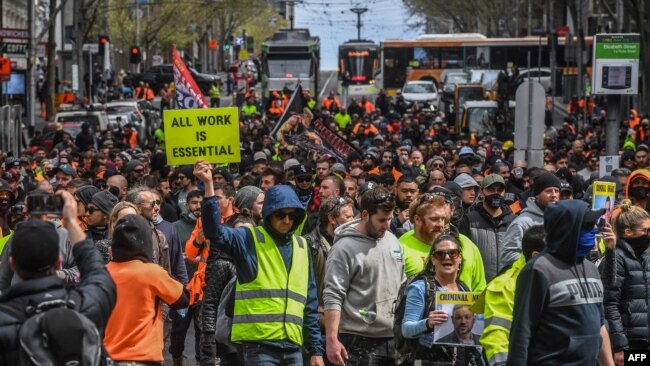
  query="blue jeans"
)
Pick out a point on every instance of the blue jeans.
point(259, 354)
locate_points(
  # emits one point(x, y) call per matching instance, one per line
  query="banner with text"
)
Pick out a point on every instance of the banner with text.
point(210, 134)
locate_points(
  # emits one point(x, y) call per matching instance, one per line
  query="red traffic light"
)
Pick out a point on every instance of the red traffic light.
point(104, 39)
point(135, 50)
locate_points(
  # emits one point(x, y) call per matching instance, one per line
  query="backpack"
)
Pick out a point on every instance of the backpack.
point(225, 312)
point(405, 347)
point(54, 332)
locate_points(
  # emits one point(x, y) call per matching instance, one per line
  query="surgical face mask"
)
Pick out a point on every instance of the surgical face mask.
point(494, 200)
point(191, 216)
point(586, 241)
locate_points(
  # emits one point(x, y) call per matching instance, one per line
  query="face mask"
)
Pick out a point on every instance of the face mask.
point(638, 192)
point(494, 200)
point(586, 242)
point(191, 216)
point(641, 242)
point(476, 170)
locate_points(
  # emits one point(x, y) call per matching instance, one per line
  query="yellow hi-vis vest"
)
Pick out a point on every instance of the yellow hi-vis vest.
point(271, 306)
point(499, 298)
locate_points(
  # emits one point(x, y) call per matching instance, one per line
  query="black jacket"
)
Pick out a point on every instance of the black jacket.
point(627, 298)
point(96, 289)
point(487, 233)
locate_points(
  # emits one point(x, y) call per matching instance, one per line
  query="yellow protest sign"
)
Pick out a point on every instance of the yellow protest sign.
point(210, 134)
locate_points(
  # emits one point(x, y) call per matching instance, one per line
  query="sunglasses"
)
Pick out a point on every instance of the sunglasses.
point(303, 179)
point(438, 165)
point(181, 177)
point(280, 215)
point(138, 170)
point(92, 210)
point(441, 254)
point(153, 203)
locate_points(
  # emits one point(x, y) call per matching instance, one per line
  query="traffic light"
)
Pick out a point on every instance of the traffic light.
point(136, 55)
point(226, 45)
point(103, 40)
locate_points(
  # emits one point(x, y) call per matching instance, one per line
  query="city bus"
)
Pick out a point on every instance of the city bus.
point(289, 57)
point(358, 66)
point(426, 57)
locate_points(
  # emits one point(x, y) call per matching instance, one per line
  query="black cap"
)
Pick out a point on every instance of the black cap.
point(365, 187)
point(302, 170)
point(565, 186)
point(35, 246)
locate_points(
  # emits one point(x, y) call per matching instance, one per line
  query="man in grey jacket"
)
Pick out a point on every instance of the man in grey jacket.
point(363, 273)
point(546, 190)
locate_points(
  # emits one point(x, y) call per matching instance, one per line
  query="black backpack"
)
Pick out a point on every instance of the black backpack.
point(405, 347)
point(54, 332)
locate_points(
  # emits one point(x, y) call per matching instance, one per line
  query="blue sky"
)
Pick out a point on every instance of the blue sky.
point(334, 23)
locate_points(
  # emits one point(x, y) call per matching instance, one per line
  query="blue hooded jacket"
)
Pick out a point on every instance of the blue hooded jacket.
point(239, 244)
point(558, 309)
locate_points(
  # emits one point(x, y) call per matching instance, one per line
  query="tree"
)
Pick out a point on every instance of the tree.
point(493, 18)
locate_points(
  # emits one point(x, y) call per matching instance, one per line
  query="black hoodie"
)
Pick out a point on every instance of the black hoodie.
point(558, 308)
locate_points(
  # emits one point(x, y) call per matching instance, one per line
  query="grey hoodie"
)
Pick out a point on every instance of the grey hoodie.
point(362, 277)
point(530, 216)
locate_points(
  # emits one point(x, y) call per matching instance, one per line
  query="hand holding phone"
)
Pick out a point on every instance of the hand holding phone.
point(609, 238)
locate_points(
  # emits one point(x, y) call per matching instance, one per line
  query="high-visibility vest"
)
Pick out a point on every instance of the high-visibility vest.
point(499, 299)
point(271, 306)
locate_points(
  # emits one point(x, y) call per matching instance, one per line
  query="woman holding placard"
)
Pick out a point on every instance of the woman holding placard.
point(420, 315)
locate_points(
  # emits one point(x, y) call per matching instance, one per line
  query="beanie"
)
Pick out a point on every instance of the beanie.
point(105, 201)
point(545, 180)
point(85, 193)
point(131, 165)
point(246, 196)
point(188, 171)
point(35, 246)
point(132, 239)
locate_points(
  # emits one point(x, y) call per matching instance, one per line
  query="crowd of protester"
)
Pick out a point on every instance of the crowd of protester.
point(291, 256)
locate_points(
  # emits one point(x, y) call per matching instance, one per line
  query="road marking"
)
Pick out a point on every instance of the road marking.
point(320, 96)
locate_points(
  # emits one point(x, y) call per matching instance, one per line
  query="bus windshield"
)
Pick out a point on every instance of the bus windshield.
point(288, 66)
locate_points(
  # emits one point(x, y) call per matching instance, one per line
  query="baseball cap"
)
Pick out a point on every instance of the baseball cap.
point(290, 163)
point(565, 186)
point(302, 170)
point(493, 179)
point(466, 150)
point(66, 169)
point(366, 187)
point(259, 156)
point(465, 180)
point(12, 162)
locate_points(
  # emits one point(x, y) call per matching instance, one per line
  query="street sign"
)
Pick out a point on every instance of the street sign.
point(243, 55)
point(616, 64)
point(529, 122)
point(90, 47)
point(14, 48)
point(14, 33)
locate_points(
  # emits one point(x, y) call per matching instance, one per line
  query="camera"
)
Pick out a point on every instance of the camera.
point(44, 203)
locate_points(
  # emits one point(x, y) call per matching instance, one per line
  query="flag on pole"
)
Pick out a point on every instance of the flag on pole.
point(298, 126)
point(295, 106)
point(188, 94)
